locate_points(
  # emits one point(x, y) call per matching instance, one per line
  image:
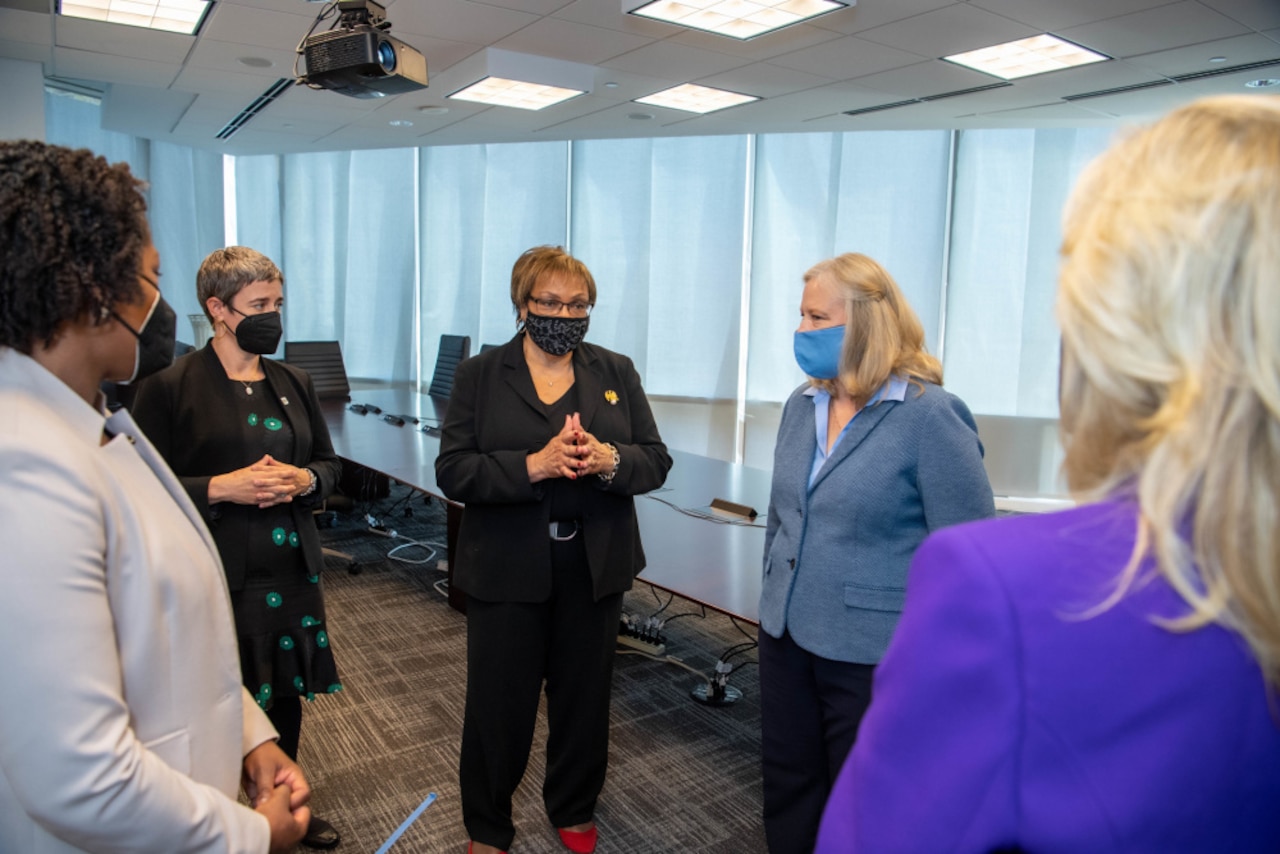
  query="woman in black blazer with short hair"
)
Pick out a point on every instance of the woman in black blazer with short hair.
point(545, 442)
point(246, 437)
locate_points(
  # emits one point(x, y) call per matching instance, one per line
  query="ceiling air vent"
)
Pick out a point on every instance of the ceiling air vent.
point(1218, 72)
point(939, 97)
point(1101, 93)
point(880, 107)
point(969, 91)
point(259, 104)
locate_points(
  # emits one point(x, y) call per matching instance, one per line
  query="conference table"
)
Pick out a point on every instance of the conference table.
point(699, 554)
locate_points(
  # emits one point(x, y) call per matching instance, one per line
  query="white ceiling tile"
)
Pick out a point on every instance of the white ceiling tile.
point(1258, 14)
point(162, 109)
point(870, 13)
point(572, 41)
point(668, 59)
point(24, 51)
point(250, 25)
point(765, 80)
point(537, 7)
point(1175, 25)
point(1052, 15)
point(210, 53)
point(120, 40)
point(1190, 60)
point(112, 69)
point(240, 84)
point(456, 20)
point(28, 27)
point(1086, 78)
point(846, 58)
point(933, 77)
point(1047, 115)
point(609, 14)
point(953, 29)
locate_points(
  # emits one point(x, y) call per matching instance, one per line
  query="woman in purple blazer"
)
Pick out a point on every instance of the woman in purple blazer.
point(1103, 679)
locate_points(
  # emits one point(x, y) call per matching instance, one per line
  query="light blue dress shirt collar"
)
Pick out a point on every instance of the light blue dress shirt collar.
point(894, 388)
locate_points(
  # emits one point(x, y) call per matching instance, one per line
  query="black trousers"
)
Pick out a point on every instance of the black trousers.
point(569, 641)
point(810, 709)
point(285, 715)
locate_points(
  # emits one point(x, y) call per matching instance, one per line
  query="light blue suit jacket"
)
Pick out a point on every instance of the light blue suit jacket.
point(836, 555)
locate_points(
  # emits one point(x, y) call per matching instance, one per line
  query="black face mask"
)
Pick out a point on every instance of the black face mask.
point(259, 333)
point(155, 340)
point(556, 335)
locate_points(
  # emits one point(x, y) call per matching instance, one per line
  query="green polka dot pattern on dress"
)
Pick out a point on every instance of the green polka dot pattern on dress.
point(308, 622)
point(278, 536)
point(293, 539)
point(274, 599)
point(273, 424)
point(286, 642)
point(298, 683)
point(322, 639)
point(253, 419)
point(264, 694)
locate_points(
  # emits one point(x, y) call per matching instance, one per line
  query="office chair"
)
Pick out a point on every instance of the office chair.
point(453, 349)
point(323, 361)
point(485, 348)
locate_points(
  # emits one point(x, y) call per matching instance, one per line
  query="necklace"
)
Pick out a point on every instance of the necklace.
point(248, 386)
point(569, 373)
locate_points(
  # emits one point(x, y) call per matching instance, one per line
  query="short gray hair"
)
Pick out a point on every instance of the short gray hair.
point(225, 272)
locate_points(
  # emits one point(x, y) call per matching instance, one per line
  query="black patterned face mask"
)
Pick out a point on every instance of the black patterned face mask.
point(556, 335)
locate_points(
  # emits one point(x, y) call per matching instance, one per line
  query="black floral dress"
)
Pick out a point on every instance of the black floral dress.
point(285, 649)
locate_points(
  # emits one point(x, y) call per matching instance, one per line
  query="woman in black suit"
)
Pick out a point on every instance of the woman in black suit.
point(545, 441)
point(246, 437)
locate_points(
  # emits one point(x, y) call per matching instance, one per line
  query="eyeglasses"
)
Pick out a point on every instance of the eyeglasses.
point(553, 306)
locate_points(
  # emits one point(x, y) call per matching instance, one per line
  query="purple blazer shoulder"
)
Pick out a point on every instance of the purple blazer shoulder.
point(1009, 712)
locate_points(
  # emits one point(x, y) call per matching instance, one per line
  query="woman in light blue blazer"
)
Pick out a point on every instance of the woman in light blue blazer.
point(872, 456)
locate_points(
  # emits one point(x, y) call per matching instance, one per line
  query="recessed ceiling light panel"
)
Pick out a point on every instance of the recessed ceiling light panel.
point(739, 19)
point(502, 92)
point(525, 81)
point(175, 16)
point(1022, 58)
point(693, 98)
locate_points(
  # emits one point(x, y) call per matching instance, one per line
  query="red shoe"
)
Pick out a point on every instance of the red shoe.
point(470, 843)
point(579, 841)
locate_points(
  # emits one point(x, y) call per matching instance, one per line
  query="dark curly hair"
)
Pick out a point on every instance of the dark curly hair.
point(72, 231)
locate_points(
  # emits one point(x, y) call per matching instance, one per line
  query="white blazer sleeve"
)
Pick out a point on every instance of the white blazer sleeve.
point(68, 752)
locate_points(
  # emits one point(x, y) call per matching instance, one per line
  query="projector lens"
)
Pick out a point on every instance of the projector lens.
point(387, 57)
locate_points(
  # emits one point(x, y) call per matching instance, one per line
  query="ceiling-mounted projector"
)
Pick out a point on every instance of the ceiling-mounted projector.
point(357, 57)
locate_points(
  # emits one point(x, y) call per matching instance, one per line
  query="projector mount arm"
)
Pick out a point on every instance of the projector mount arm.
point(361, 13)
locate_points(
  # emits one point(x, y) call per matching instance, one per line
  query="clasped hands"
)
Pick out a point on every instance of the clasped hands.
point(572, 453)
point(266, 483)
point(277, 790)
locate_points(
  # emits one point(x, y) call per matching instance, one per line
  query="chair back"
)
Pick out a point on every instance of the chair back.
point(453, 349)
point(485, 348)
point(323, 361)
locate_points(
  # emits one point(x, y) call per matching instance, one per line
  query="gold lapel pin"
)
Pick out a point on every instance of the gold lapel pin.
point(612, 397)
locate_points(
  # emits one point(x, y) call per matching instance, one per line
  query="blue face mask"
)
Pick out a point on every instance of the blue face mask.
point(818, 351)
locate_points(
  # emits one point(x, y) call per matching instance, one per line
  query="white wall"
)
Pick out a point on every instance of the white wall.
point(23, 87)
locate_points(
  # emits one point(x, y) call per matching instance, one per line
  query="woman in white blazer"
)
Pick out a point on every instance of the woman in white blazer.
point(123, 725)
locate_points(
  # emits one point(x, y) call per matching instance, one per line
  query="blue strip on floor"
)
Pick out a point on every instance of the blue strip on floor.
point(404, 825)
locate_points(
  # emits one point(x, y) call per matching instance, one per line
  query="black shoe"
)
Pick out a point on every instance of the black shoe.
point(320, 834)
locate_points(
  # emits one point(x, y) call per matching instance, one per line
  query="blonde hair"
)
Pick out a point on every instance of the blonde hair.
point(882, 335)
point(1169, 303)
point(540, 261)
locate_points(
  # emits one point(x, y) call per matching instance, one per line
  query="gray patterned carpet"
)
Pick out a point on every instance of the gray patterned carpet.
point(683, 777)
